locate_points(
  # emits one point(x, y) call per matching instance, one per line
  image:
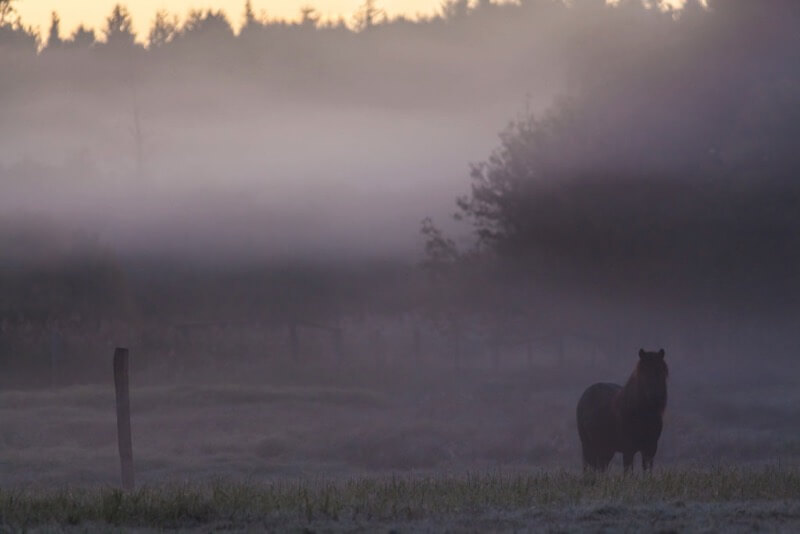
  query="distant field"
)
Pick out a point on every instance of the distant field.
point(340, 428)
point(390, 451)
point(715, 499)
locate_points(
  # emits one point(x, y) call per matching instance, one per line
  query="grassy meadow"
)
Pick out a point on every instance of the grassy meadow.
point(393, 450)
point(720, 498)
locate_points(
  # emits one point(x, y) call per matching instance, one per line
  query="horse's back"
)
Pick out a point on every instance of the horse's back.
point(594, 405)
point(598, 393)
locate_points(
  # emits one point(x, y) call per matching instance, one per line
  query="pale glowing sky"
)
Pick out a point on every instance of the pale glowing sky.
point(93, 12)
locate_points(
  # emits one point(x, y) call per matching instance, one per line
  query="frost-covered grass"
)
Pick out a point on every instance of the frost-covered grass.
point(320, 456)
point(406, 499)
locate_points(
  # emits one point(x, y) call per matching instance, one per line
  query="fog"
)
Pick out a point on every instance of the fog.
point(296, 180)
point(285, 140)
point(245, 211)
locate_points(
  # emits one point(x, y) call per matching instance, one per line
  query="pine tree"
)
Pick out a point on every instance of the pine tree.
point(164, 29)
point(6, 10)
point(54, 40)
point(119, 27)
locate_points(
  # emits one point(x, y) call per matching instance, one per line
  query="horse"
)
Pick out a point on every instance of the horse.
point(626, 419)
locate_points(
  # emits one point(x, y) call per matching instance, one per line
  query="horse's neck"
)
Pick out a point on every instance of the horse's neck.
point(632, 400)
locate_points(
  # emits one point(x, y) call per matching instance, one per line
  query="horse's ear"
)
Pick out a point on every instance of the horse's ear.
point(641, 353)
point(661, 354)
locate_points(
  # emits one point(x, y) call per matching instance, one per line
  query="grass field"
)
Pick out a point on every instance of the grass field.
point(424, 453)
point(716, 499)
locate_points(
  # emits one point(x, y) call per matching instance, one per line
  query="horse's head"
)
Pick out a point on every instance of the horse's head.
point(651, 374)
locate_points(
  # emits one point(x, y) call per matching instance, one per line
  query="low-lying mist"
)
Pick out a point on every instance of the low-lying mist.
point(286, 140)
point(292, 181)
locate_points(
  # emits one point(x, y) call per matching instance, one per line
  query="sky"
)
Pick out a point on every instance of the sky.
point(93, 12)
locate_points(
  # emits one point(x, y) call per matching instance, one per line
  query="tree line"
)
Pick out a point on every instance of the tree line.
point(670, 175)
point(467, 46)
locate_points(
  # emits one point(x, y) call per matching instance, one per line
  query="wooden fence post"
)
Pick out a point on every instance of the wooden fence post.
point(457, 347)
point(529, 353)
point(338, 343)
point(381, 358)
point(495, 349)
point(294, 342)
point(55, 356)
point(123, 416)
point(417, 345)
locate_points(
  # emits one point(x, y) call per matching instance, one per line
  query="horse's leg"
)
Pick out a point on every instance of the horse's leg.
point(627, 461)
point(597, 461)
point(647, 456)
point(647, 463)
point(604, 460)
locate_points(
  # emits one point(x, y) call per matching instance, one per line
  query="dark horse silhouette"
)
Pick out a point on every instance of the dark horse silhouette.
point(613, 418)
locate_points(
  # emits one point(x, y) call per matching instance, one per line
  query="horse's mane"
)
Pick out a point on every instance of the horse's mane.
point(634, 396)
